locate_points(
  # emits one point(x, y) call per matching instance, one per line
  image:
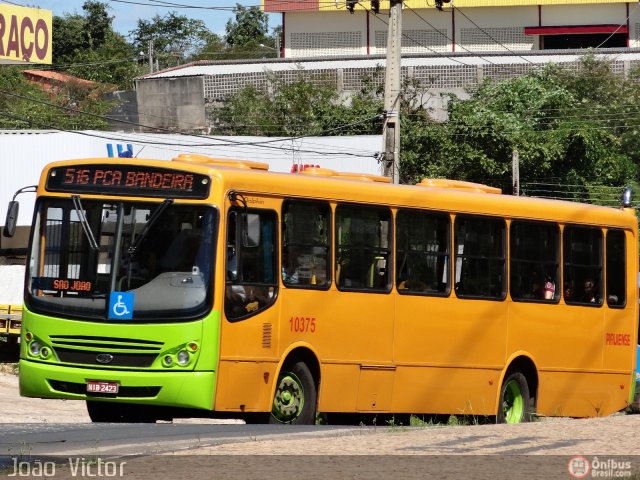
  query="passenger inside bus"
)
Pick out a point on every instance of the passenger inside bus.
point(568, 291)
point(590, 294)
point(291, 265)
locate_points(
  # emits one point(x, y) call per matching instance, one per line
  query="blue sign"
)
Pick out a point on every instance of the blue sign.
point(122, 152)
point(121, 305)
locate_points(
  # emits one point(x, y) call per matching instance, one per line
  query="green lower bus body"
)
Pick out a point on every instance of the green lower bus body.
point(184, 389)
point(160, 384)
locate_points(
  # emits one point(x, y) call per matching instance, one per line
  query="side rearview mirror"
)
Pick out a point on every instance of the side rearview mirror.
point(11, 221)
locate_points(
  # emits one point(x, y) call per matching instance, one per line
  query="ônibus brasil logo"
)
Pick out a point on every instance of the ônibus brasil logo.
point(579, 467)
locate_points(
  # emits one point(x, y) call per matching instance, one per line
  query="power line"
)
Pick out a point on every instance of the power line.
point(114, 137)
point(166, 130)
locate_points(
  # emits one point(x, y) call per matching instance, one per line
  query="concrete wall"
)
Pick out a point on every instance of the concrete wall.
point(125, 108)
point(171, 103)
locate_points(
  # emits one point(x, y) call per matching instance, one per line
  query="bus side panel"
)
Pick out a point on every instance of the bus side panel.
point(248, 360)
point(352, 332)
point(576, 394)
point(246, 386)
point(456, 350)
point(619, 339)
point(338, 390)
point(558, 337)
point(458, 391)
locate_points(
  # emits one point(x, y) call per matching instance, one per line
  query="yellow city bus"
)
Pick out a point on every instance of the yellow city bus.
point(156, 288)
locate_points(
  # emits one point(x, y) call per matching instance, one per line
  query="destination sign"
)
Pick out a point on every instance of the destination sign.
point(62, 284)
point(133, 180)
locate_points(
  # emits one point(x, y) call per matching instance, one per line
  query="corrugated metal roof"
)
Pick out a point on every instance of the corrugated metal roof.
point(229, 68)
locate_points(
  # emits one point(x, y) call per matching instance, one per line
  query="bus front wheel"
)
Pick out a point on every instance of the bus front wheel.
point(515, 401)
point(295, 398)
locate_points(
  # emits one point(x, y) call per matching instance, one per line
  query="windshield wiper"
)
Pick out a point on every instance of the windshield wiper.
point(156, 215)
point(77, 205)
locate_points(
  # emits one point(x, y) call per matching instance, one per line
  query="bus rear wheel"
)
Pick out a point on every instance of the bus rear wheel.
point(295, 398)
point(515, 400)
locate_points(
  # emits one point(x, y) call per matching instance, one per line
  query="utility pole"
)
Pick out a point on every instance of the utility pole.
point(391, 126)
point(151, 56)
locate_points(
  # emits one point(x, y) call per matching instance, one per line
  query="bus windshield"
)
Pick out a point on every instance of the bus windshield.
point(157, 255)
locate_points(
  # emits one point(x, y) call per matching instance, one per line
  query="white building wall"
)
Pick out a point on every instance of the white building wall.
point(494, 28)
point(12, 281)
point(424, 31)
point(560, 15)
point(309, 34)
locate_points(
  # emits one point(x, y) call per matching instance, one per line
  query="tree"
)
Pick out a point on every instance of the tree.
point(249, 28)
point(298, 107)
point(176, 38)
point(566, 125)
point(86, 46)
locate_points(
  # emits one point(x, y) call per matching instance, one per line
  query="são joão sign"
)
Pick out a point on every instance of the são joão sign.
point(25, 35)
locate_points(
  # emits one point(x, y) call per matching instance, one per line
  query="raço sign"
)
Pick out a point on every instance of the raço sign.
point(25, 35)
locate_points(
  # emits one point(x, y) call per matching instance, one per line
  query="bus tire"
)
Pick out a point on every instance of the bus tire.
point(108, 412)
point(295, 398)
point(515, 400)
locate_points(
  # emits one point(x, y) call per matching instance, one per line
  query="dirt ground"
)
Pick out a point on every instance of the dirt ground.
point(613, 435)
point(546, 448)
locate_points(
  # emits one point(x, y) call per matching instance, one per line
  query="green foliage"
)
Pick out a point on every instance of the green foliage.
point(20, 113)
point(298, 107)
point(246, 37)
point(250, 27)
point(85, 45)
point(176, 38)
point(572, 125)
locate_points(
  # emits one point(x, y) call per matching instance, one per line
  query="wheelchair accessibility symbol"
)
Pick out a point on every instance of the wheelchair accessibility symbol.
point(121, 305)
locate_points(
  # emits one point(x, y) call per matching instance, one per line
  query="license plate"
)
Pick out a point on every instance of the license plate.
point(95, 386)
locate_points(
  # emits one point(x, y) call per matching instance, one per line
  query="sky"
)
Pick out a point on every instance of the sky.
point(127, 12)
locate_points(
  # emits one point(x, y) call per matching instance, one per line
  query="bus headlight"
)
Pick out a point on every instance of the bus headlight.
point(168, 360)
point(183, 357)
point(34, 348)
point(44, 352)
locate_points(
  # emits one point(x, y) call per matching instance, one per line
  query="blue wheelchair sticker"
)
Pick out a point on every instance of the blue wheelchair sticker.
point(121, 305)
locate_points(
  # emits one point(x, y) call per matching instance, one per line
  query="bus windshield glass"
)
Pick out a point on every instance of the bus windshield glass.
point(158, 257)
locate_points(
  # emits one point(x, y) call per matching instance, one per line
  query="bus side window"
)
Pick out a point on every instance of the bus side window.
point(480, 257)
point(616, 268)
point(306, 253)
point(251, 262)
point(422, 256)
point(534, 259)
point(363, 248)
point(583, 262)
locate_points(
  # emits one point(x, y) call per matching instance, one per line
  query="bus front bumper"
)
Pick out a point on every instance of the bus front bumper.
point(166, 388)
